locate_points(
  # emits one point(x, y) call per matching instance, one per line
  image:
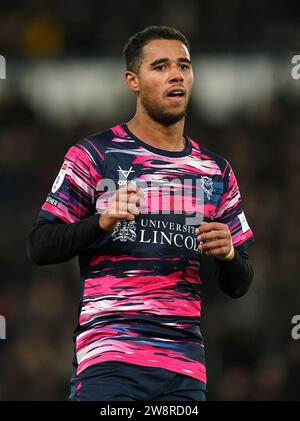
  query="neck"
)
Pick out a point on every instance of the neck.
point(169, 138)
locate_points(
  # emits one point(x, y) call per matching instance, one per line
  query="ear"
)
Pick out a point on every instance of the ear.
point(132, 81)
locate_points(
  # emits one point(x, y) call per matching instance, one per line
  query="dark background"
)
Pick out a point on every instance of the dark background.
point(250, 351)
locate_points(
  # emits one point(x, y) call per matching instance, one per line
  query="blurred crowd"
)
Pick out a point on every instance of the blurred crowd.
point(250, 351)
point(251, 354)
point(53, 28)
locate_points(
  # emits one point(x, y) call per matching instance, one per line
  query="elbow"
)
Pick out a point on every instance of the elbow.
point(237, 292)
point(33, 252)
point(238, 287)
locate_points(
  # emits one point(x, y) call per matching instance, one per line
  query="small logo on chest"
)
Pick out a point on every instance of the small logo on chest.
point(207, 186)
point(123, 175)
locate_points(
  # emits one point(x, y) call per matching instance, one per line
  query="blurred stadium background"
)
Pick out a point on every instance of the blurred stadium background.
point(65, 80)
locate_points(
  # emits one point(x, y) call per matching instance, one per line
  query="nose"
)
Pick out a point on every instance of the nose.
point(176, 75)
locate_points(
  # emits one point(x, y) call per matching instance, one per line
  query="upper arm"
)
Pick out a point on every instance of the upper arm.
point(230, 212)
point(74, 191)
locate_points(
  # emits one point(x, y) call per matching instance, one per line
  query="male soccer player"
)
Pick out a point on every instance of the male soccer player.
point(140, 250)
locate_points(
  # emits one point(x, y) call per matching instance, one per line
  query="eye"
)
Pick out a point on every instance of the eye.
point(160, 67)
point(184, 66)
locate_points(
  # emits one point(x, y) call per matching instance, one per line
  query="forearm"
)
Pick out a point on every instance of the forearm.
point(235, 276)
point(58, 242)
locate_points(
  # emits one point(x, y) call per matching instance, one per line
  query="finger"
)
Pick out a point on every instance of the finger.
point(121, 195)
point(125, 189)
point(134, 198)
point(209, 226)
point(214, 244)
point(129, 217)
point(124, 215)
point(123, 192)
point(127, 203)
point(133, 209)
point(203, 227)
point(136, 189)
point(121, 206)
point(125, 195)
point(141, 192)
point(119, 215)
point(213, 235)
point(217, 251)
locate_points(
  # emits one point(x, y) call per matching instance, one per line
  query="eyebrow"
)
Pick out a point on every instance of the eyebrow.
point(165, 60)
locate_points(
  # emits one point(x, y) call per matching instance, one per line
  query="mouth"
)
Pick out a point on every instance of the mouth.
point(176, 94)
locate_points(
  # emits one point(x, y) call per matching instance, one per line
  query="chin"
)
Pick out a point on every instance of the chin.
point(162, 114)
point(168, 119)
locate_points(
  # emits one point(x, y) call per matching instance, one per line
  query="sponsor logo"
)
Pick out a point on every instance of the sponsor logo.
point(123, 176)
point(52, 201)
point(60, 178)
point(155, 231)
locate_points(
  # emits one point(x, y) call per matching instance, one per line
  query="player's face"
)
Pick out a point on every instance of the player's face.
point(165, 80)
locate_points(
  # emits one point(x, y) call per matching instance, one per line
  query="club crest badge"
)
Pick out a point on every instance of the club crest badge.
point(207, 186)
point(125, 231)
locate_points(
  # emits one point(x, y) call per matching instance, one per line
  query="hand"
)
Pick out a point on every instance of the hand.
point(124, 204)
point(215, 239)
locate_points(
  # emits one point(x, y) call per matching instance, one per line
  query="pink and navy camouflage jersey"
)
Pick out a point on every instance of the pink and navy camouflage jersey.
point(141, 299)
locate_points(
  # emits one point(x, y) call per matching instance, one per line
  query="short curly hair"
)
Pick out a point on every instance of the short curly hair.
point(133, 49)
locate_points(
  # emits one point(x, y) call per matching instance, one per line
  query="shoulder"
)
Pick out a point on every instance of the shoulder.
point(207, 155)
point(94, 146)
point(98, 143)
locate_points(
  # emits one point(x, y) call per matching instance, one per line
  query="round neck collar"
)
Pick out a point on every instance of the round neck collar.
point(186, 151)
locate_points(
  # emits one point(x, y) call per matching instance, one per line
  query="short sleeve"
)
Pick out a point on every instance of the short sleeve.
point(74, 191)
point(230, 212)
